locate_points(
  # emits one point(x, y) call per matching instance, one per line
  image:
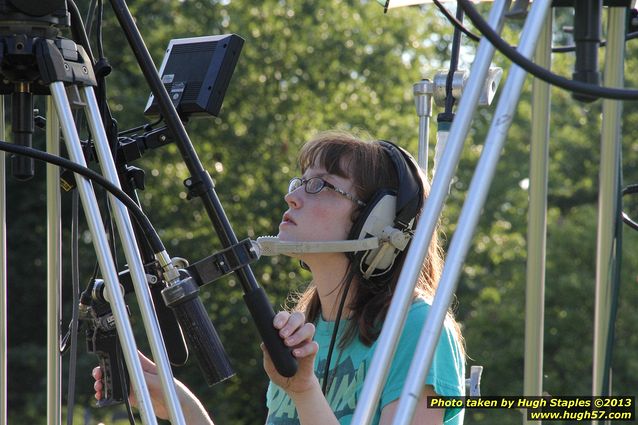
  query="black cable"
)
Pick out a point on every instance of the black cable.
point(98, 28)
point(629, 190)
point(126, 390)
point(335, 329)
point(77, 28)
point(628, 221)
point(560, 49)
point(89, 16)
point(538, 71)
point(455, 22)
point(144, 127)
point(75, 317)
point(109, 225)
point(454, 64)
point(615, 292)
point(141, 218)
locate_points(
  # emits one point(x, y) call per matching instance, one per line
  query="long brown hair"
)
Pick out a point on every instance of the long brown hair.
point(371, 169)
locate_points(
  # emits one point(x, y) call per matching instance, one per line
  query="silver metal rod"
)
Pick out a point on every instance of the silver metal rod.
point(537, 222)
point(54, 272)
point(608, 192)
point(132, 254)
point(468, 219)
point(423, 92)
point(402, 298)
point(3, 273)
point(104, 257)
point(424, 137)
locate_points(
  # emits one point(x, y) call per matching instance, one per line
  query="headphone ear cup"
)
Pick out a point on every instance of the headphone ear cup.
point(396, 209)
point(378, 215)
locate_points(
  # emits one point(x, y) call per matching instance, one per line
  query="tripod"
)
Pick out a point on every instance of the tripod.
point(69, 79)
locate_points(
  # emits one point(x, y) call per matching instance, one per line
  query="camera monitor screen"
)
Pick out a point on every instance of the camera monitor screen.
point(196, 72)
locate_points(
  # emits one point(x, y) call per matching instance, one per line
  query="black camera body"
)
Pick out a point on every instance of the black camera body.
point(102, 340)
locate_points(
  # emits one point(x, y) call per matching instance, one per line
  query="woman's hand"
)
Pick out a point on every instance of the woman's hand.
point(296, 334)
point(194, 412)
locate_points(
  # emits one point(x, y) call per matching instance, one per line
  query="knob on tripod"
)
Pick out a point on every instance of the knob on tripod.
point(22, 126)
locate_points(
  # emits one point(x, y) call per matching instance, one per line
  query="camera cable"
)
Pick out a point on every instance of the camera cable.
point(538, 71)
point(558, 49)
point(138, 214)
point(75, 316)
point(141, 218)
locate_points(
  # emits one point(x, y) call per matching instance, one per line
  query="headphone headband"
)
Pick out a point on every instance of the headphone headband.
point(410, 191)
point(389, 208)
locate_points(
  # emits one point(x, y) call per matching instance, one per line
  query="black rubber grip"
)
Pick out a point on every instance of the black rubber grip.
point(263, 315)
point(198, 329)
point(171, 332)
point(115, 379)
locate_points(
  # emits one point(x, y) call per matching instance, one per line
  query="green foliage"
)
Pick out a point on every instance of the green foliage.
point(311, 66)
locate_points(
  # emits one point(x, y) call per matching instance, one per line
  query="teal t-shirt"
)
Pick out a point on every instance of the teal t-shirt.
point(349, 366)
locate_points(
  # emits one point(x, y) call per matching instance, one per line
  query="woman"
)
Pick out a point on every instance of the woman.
point(342, 179)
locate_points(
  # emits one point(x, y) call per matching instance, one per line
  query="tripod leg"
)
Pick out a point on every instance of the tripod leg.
point(54, 274)
point(105, 259)
point(132, 253)
point(425, 228)
point(472, 208)
point(608, 214)
point(537, 224)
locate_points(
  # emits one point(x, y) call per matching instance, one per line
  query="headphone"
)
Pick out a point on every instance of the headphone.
point(389, 215)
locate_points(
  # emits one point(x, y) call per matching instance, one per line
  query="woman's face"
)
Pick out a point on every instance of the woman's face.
point(323, 216)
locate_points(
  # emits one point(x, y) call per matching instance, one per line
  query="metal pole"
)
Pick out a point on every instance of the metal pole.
point(403, 294)
point(423, 92)
point(468, 219)
point(132, 254)
point(104, 257)
point(608, 192)
point(3, 273)
point(54, 272)
point(537, 223)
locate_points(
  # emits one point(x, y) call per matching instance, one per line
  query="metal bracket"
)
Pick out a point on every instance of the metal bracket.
point(223, 262)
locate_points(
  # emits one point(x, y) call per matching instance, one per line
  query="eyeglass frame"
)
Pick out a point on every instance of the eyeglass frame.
point(304, 182)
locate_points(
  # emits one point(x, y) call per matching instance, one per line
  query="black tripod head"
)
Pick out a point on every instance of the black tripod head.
point(22, 23)
point(47, 15)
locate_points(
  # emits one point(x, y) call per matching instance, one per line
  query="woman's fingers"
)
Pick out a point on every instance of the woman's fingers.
point(301, 335)
point(97, 373)
point(147, 366)
point(97, 386)
point(306, 350)
point(288, 325)
point(280, 319)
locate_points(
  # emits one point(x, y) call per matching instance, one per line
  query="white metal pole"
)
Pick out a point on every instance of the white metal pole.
point(104, 256)
point(402, 298)
point(537, 223)
point(132, 254)
point(608, 192)
point(54, 271)
point(472, 208)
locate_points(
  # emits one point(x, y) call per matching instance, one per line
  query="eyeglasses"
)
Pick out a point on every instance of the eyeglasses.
point(316, 184)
